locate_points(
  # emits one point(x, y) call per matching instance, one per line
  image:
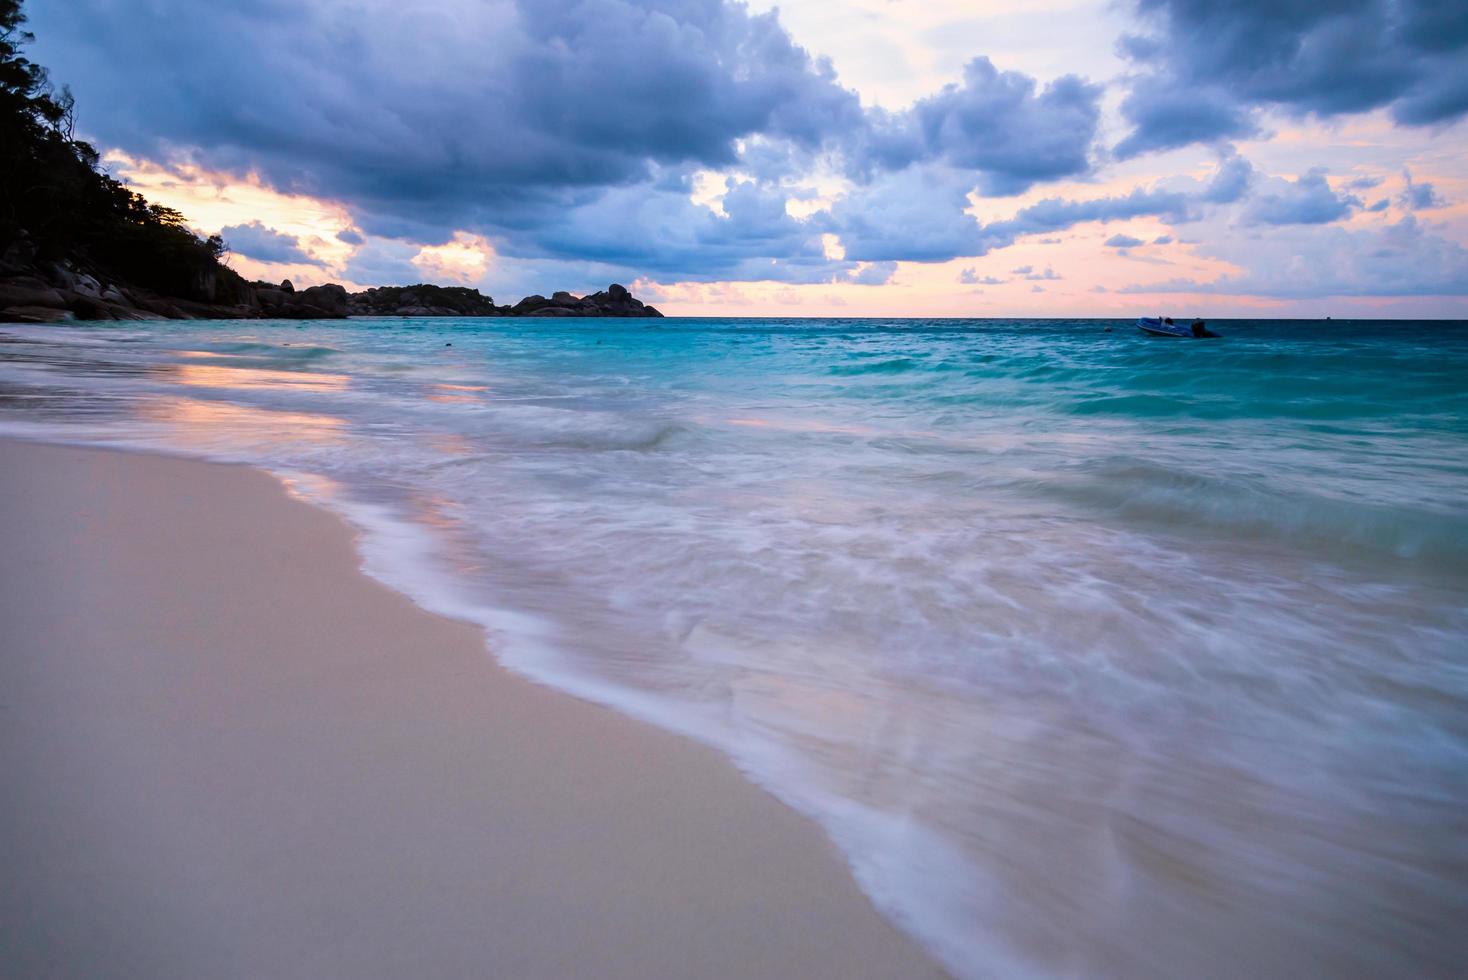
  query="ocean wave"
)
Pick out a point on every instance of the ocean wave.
point(895, 365)
point(1142, 492)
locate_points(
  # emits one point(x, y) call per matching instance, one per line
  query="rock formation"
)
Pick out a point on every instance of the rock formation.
point(615, 300)
point(421, 300)
point(51, 292)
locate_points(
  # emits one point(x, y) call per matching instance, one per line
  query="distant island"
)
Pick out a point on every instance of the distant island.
point(75, 243)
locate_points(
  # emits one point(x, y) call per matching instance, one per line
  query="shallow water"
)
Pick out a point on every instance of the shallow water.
point(1098, 655)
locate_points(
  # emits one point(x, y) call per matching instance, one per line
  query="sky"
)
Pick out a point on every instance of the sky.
point(819, 157)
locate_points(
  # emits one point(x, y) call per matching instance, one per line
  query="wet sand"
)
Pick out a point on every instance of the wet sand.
point(227, 753)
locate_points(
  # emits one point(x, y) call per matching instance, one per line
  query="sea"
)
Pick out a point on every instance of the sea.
point(1094, 654)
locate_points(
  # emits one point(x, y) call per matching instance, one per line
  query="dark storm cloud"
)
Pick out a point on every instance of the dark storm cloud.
point(420, 114)
point(1208, 65)
point(257, 241)
point(555, 127)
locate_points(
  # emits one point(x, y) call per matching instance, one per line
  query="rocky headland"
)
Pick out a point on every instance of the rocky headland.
point(50, 292)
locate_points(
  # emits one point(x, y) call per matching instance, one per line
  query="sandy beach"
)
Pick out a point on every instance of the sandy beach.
point(228, 753)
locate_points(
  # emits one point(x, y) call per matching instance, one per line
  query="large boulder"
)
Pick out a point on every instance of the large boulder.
point(330, 298)
point(421, 300)
point(30, 291)
point(328, 302)
point(529, 305)
point(616, 300)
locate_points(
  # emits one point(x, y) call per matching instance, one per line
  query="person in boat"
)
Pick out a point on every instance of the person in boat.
point(1200, 329)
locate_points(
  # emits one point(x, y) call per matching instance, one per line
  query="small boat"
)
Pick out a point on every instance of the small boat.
point(1160, 327)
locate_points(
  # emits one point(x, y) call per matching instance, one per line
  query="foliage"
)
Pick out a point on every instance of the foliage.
point(56, 203)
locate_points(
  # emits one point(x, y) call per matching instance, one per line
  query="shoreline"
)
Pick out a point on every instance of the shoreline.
point(233, 753)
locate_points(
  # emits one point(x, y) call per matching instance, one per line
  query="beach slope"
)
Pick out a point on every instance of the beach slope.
point(227, 753)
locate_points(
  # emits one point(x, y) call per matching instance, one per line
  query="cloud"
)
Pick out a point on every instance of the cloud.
point(754, 238)
point(1380, 205)
point(1048, 275)
point(1402, 259)
point(1057, 214)
point(534, 122)
point(1231, 181)
point(916, 214)
point(1209, 66)
point(920, 214)
point(1123, 241)
point(873, 274)
point(254, 240)
point(996, 124)
point(384, 262)
point(484, 114)
point(1419, 196)
point(1162, 240)
point(350, 237)
point(1307, 200)
point(1166, 116)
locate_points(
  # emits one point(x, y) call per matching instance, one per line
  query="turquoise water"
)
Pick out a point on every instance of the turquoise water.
point(1095, 654)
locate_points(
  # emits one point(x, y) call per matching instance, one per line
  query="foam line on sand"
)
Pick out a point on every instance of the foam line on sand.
point(227, 753)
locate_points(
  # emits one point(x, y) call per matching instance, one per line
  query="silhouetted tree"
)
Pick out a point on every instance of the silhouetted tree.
point(56, 202)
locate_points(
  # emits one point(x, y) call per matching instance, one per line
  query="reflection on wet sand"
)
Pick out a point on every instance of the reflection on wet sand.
point(448, 393)
point(452, 444)
point(221, 376)
point(200, 422)
point(804, 425)
point(313, 488)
